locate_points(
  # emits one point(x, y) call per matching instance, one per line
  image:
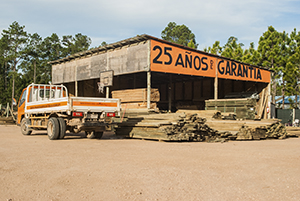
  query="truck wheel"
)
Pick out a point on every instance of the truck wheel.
point(93, 134)
point(62, 127)
point(24, 126)
point(53, 128)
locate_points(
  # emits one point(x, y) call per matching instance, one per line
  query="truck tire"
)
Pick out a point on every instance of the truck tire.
point(53, 128)
point(94, 134)
point(62, 127)
point(24, 126)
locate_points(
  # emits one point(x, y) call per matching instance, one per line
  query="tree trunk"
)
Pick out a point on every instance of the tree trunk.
point(34, 71)
point(5, 76)
point(273, 91)
point(283, 94)
point(13, 92)
point(13, 86)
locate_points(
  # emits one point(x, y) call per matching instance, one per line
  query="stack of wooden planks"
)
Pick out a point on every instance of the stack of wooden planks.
point(137, 98)
point(244, 108)
point(198, 126)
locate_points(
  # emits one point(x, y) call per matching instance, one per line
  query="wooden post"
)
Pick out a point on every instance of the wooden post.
point(216, 87)
point(294, 115)
point(148, 89)
point(76, 88)
point(170, 93)
point(76, 82)
point(107, 92)
point(269, 101)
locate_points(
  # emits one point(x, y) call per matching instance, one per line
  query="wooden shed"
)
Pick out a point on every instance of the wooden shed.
point(161, 75)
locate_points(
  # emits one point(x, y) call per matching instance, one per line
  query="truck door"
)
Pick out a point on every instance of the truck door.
point(21, 105)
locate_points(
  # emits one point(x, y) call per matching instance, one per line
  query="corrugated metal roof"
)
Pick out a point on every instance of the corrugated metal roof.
point(122, 43)
point(287, 99)
point(137, 39)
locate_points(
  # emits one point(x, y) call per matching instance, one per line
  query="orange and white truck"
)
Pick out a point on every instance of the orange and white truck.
point(49, 107)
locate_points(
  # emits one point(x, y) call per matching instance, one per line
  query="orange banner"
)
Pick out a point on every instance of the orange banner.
point(171, 59)
point(233, 70)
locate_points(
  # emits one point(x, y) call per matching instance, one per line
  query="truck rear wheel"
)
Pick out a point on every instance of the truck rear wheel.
point(53, 128)
point(94, 134)
point(62, 127)
point(24, 126)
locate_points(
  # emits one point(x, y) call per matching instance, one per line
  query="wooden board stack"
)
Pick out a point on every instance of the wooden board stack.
point(194, 126)
point(244, 108)
point(136, 98)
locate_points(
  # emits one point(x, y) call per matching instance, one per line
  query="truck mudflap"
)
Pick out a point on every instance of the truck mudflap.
point(92, 126)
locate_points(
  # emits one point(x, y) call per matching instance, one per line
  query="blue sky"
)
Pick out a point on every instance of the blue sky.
point(115, 20)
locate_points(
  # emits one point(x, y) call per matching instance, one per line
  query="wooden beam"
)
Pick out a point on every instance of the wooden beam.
point(216, 85)
point(170, 93)
point(148, 90)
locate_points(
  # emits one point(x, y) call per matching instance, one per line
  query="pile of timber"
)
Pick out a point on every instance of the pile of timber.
point(7, 120)
point(137, 98)
point(273, 131)
point(198, 126)
point(244, 108)
point(293, 130)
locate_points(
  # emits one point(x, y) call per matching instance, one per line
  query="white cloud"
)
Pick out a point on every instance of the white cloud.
point(116, 20)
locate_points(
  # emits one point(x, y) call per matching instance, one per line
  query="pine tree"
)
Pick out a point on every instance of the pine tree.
point(179, 34)
point(269, 50)
point(17, 40)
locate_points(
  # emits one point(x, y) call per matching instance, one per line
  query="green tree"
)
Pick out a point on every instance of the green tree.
point(51, 48)
point(293, 65)
point(215, 49)
point(287, 70)
point(232, 49)
point(251, 56)
point(17, 41)
point(103, 44)
point(75, 44)
point(4, 70)
point(269, 47)
point(179, 34)
point(33, 57)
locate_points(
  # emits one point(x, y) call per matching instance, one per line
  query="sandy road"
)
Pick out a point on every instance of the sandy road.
point(35, 168)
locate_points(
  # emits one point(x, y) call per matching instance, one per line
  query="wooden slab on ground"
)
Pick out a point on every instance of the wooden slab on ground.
point(293, 130)
point(6, 120)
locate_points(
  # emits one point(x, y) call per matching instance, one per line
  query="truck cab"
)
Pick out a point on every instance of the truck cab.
point(21, 106)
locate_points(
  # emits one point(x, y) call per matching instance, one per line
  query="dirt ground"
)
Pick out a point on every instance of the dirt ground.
point(35, 168)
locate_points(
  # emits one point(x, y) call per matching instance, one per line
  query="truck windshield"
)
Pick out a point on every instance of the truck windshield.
point(22, 100)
